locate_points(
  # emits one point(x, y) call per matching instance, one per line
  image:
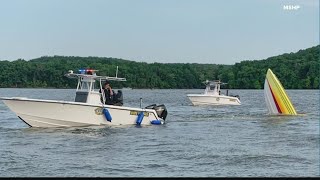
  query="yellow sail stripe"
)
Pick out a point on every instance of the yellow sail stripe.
point(285, 98)
point(284, 101)
point(281, 96)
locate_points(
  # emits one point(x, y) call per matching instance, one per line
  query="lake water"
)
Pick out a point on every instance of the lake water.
point(201, 141)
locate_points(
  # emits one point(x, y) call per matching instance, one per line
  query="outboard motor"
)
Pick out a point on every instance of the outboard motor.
point(161, 110)
point(150, 106)
point(237, 96)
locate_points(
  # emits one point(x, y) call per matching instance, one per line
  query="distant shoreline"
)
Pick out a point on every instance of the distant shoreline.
point(299, 70)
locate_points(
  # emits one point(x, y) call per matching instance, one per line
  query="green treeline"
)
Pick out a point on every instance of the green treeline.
point(298, 70)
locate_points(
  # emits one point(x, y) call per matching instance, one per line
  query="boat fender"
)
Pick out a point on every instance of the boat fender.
point(107, 114)
point(140, 118)
point(156, 122)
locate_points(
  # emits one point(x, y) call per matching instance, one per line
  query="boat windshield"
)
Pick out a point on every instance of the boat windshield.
point(86, 86)
point(212, 86)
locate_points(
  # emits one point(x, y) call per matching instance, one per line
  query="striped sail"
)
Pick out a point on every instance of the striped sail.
point(276, 97)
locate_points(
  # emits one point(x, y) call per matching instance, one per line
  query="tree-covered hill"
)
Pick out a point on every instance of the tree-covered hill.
point(298, 70)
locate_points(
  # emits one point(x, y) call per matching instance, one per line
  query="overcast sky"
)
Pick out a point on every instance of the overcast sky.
point(175, 31)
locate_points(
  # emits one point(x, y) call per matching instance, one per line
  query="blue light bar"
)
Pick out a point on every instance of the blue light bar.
point(82, 71)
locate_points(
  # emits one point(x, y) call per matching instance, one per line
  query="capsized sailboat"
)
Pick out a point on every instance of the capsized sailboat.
point(277, 100)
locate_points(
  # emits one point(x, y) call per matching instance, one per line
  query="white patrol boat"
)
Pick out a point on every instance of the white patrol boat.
point(212, 95)
point(88, 109)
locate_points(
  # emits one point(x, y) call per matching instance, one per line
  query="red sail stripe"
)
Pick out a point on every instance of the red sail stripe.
point(274, 99)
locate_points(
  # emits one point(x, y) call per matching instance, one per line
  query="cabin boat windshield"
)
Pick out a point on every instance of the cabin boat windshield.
point(212, 86)
point(86, 84)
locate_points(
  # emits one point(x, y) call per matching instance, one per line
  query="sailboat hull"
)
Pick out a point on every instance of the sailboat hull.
point(276, 98)
point(50, 113)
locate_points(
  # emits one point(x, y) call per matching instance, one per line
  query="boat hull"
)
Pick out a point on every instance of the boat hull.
point(50, 113)
point(198, 99)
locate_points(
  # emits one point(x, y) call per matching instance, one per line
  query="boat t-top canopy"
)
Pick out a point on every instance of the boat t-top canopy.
point(207, 82)
point(213, 87)
point(86, 85)
point(94, 77)
point(90, 74)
